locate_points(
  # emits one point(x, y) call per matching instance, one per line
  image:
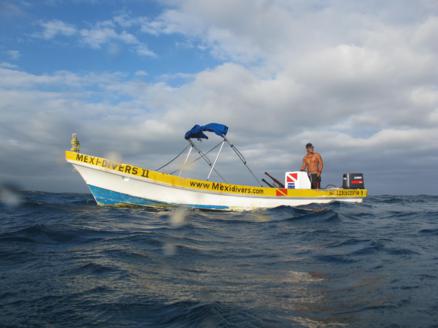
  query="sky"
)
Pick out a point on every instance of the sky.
point(358, 79)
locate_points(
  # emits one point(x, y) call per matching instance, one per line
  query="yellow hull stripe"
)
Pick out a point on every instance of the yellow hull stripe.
point(208, 186)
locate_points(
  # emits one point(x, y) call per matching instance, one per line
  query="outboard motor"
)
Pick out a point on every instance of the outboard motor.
point(353, 181)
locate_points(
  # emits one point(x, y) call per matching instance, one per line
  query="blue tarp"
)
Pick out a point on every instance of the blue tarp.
point(197, 132)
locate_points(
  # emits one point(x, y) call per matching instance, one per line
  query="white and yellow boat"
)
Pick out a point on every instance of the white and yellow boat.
point(114, 183)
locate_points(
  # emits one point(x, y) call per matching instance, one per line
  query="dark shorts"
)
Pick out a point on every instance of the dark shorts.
point(315, 180)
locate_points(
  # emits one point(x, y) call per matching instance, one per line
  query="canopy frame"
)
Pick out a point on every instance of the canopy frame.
point(215, 160)
point(185, 161)
point(197, 132)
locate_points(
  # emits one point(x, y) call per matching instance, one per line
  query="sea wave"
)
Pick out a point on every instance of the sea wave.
point(66, 262)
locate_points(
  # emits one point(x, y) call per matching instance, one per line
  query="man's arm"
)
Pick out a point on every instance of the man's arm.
point(320, 164)
point(304, 165)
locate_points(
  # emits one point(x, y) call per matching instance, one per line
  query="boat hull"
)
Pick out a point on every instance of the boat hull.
point(112, 185)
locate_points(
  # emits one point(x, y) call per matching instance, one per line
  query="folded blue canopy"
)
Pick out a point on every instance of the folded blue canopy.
point(197, 132)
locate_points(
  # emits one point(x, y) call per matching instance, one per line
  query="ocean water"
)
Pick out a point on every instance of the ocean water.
point(65, 262)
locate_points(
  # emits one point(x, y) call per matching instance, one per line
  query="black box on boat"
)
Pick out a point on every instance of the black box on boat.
point(353, 181)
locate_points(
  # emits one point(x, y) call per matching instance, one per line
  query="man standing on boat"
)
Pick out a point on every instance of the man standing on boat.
point(313, 164)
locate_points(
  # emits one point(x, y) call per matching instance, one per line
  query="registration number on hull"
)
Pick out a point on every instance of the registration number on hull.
point(348, 192)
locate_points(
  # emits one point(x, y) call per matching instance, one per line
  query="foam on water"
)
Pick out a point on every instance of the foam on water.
point(66, 262)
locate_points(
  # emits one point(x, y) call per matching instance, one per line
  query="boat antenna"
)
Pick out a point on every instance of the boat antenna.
point(242, 158)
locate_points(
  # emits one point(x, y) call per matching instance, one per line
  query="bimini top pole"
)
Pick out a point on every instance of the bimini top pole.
point(215, 160)
point(172, 160)
point(199, 157)
point(207, 160)
point(185, 161)
point(242, 158)
point(197, 132)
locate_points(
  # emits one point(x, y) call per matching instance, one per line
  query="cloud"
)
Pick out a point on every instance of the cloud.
point(13, 54)
point(282, 31)
point(54, 28)
point(359, 80)
point(143, 50)
point(96, 37)
point(10, 10)
point(8, 65)
point(269, 118)
point(101, 34)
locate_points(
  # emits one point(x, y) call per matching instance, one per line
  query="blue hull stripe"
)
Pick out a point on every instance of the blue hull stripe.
point(109, 197)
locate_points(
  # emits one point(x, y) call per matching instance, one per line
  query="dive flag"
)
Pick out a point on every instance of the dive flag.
point(291, 178)
point(281, 192)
